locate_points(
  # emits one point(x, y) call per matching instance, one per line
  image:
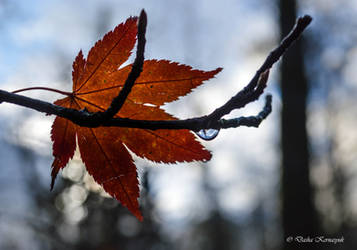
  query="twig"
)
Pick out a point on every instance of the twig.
point(86, 119)
point(250, 121)
point(136, 69)
point(250, 93)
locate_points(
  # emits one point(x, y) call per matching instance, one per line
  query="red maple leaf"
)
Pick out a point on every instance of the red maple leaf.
point(104, 150)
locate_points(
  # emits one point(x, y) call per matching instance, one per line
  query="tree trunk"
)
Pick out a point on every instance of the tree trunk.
point(298, 211)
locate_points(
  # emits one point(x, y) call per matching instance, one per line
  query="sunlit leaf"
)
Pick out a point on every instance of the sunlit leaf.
point(104, 150)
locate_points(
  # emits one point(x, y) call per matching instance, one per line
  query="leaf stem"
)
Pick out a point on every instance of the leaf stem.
point(43, 88)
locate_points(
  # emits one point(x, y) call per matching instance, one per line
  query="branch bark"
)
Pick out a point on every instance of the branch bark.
point(135, 72)
point(250, 93)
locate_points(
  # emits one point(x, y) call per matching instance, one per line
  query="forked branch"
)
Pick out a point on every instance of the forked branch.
point(250, 93)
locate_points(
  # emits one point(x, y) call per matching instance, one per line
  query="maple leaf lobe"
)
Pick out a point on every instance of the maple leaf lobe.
point(78, 68)
point(108, 54)
point(111, 165)
point(163, 81)
point(64, 140)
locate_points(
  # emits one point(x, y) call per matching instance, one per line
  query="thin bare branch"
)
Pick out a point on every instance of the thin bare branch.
point(250, 93)
point(136, 69)
point(86, 119)
point(250, 121)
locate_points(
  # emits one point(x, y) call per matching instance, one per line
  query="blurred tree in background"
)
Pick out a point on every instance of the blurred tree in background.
point(298, 210)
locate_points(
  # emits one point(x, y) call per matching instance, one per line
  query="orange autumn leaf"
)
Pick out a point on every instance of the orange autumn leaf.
point(104, 150)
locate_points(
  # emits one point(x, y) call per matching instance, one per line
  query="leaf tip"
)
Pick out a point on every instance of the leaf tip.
point(213, 73)
point(217, 70)
point(56, 165)
point(52, 183)
point(139, 216)
point(208, 155)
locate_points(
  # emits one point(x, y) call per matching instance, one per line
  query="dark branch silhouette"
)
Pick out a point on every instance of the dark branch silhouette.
point(250, 93)
point(135, 72)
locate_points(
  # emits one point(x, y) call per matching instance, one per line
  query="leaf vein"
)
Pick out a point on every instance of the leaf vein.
point(103, 59)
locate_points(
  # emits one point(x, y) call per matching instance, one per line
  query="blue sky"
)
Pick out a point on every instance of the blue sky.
point(41, 39)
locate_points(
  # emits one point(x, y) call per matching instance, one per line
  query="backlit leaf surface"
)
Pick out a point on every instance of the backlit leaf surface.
point(104, 150)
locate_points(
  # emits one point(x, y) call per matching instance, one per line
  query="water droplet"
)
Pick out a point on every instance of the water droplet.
point(207, 134)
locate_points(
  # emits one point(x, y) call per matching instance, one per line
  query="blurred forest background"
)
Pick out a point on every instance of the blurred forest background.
point(293, 176)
